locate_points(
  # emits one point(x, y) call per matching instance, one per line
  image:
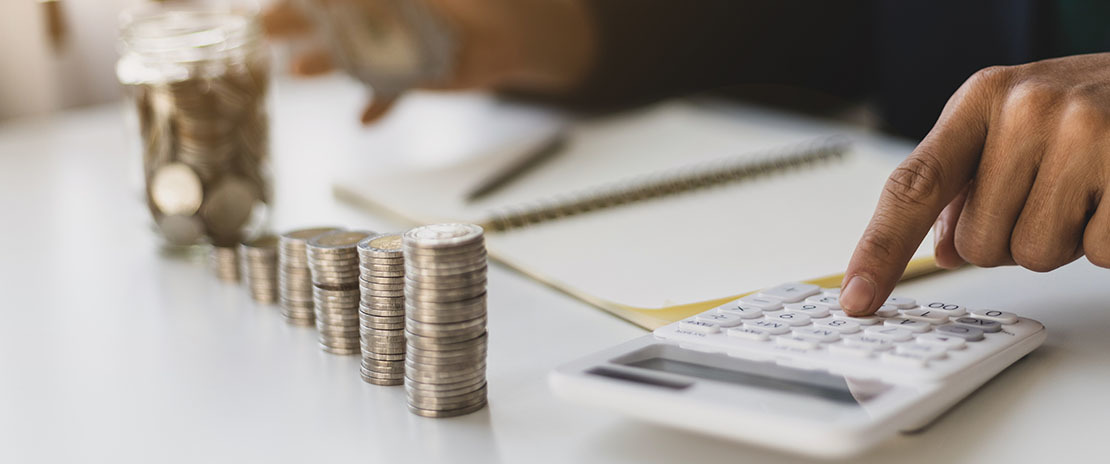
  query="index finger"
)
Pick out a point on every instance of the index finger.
point(915, 194)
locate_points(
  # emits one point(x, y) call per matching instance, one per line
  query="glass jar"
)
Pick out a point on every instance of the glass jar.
point(197, 78)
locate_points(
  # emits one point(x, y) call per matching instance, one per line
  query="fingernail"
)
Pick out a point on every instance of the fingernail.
point(940, 228)
point(857, 295)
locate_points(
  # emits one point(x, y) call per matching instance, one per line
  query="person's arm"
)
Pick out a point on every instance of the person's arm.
point(653, 48)
point(1013, 172)
point(603, 52)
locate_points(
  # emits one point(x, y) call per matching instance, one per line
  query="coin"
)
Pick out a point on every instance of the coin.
point(228, 207)
point(176, 190)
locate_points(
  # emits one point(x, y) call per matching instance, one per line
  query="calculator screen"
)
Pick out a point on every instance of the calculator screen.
point(763, 375)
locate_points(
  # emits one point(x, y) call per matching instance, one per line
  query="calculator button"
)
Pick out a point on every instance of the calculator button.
point(905, 359)
point(908, 324)
point(887, 311)
point(861, 320)
point(771, 327)
point(745, 311)
point(721, 319)
point(995, 315)
point(792, 319)
point(953, 310)
point(761, 302)
point(982, 324)
point(830, 291)
point(869, 342)
point(832, 301)
point(817, 334)
point(695, 325)
point(894, 334)
point(840, 325)
point(850, 350)
point(794, 341)
point(792, 292)
point(970, 334)
point(809, 309)
point(926, 315)
point(901, 302)
point(749, 333)
point(947, 342)
point(928, 352)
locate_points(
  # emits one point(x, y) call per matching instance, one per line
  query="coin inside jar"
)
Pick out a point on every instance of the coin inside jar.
point(175, 189)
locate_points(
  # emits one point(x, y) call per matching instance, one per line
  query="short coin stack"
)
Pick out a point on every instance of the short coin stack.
point(382, 309)
point(294, 278)
point(224, 262)
point(445, 325)
point(260, 268)
point(333, 261)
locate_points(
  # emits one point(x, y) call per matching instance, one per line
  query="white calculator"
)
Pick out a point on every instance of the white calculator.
point(786, 368)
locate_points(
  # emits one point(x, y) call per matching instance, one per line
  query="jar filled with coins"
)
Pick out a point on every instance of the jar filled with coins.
point(197, 78)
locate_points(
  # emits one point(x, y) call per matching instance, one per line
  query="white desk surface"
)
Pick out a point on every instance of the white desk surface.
point(112, 352)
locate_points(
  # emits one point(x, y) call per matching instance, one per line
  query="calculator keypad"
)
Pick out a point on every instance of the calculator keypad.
point(802, 324)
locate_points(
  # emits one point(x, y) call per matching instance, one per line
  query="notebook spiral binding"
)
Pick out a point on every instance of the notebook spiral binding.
point(727, 170)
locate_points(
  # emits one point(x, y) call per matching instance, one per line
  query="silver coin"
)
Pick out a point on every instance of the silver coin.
point(443, 235)
point(344, 241)
point(427, 273)
point(439, 343)
point(175, 189)
point(424, 399)
point(382, 244)
point(422, 257)
point(455, 305)
point(446, 391)
point(445, 388)
point(228, 206)
point(436, 414)
point(180, 229)
point(342, 351)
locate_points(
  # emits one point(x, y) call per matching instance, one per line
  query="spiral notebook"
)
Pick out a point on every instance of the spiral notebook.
point(660, 213)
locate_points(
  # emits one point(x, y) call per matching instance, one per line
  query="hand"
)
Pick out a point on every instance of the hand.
point(1013, 172)
point(539, 46)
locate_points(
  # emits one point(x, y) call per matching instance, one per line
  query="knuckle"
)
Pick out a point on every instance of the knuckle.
point(991, 77)
point(880, 241)
point(1036, 255)
point(1083, 117)
point(1097, 249)
point(1032, 99)
point(974, 245)
point(915, 182)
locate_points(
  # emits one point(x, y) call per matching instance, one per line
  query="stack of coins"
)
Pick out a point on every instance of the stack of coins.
point(294, 278)
point(445, 324)
point(382, 309)
point(260, 264)
point(333, 262)
point(224, 262)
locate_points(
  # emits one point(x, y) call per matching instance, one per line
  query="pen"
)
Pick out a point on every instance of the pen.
point(530, 160)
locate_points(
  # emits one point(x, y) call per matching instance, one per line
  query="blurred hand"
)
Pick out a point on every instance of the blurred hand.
point(540, 46)
point(1014, 171)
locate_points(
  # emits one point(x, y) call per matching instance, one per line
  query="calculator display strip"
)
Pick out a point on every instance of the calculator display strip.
point(820, 388)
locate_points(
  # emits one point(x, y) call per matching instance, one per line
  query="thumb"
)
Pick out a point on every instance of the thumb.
point(914, 195)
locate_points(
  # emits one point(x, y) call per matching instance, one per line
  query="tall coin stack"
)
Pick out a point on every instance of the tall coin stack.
point(382, 309)
point(224, 262)
point(294, 277)
point(333, 262)
point(445, 324)
point(260, 268)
